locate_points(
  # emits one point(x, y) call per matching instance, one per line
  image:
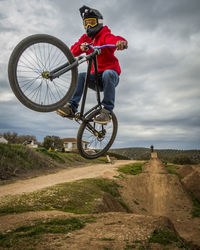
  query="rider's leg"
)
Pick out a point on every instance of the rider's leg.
point(69, 109)
point(80, 88)
point(110, 79)
point(78, 92)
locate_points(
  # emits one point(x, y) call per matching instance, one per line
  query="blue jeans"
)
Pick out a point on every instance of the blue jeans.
point(108, 80)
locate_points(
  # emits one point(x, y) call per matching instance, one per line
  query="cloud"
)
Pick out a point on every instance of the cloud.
point(158, 97)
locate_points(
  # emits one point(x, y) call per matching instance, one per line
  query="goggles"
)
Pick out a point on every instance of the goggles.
point(92, 22)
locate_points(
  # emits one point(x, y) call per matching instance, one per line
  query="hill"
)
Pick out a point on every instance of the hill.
point(19, 160)
point(170, 155)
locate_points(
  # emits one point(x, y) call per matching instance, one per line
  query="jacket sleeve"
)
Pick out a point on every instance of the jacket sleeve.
point(75, 49)
point(111, 39)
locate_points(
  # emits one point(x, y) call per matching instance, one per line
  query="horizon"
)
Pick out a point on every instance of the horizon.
point(142, 147)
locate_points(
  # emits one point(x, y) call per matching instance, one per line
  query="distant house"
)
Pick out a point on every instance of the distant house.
point(3, 140)
point(70, 144)
point(30, 144)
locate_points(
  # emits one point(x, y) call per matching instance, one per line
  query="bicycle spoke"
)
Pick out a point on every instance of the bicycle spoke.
point(31, 68)
point(57, 90)
point(33, 65)
point(39, 62)
point(42, 59)
point(29, 82)
point(33, 91)
point(27, 61)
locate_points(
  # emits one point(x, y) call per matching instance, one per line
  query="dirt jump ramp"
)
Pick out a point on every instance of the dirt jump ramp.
point(156, 192)
point(154, 155)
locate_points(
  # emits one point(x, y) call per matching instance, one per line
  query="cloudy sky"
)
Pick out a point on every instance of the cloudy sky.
point(158, 98)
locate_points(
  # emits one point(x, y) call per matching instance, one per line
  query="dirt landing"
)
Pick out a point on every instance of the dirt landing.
point(154, 155)
point(156, 192)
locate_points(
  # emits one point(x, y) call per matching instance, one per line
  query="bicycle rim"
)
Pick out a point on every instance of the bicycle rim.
point(35, 59)
point(94, 139)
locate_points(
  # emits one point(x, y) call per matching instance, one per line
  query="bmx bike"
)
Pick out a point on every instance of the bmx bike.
point(43, 75)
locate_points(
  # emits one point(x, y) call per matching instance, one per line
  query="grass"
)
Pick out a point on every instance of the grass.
point(63, 157)
point(166, 237)
point(76, 197)
point(106, 239)
point(196, 205)
point(17, 160)
point(133, 168)
point(29, 235)
point(52, 154)
point(173, 170)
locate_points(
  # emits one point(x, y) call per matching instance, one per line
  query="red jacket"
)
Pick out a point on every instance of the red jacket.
point(106, 60)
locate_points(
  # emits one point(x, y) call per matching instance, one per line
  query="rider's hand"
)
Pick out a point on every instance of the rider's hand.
point(120, 45)
point(83, 47)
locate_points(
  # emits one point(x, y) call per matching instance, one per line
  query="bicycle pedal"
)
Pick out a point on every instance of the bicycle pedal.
point(63, 115)
point(69, 117)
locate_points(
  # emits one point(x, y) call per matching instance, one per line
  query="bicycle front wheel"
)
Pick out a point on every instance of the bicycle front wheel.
point(29, 67)
point(93, 139)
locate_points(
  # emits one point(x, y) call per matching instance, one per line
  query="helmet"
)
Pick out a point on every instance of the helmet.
point(92, 20)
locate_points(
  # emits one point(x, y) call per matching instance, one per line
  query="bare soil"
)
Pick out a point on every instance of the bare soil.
point(191, 178)
point(156, 199)
point(67, 175)
point(156, 192)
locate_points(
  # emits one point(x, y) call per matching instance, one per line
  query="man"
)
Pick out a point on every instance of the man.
point(108, 65)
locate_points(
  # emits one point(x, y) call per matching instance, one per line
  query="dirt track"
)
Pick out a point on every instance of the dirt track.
point(30, 185)
point(153, 196)
point(159, 193)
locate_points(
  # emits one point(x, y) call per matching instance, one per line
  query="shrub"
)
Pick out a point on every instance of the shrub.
point(182, 159)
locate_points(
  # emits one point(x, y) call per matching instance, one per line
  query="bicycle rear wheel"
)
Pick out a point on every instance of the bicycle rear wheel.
point(94, 140)
point(28, 69)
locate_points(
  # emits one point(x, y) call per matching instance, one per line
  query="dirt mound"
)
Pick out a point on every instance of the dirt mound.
point(107, 231)
point(109, 204)
point(185, 170)
point(119, 231)
point(156, 192)
point(191, 178)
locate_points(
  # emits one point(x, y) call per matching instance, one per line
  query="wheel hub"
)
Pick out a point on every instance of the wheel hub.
point(46, 74)
point(101, 135)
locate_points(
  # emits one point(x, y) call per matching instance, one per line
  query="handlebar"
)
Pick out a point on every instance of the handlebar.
point(103, 46)
point(89, 46)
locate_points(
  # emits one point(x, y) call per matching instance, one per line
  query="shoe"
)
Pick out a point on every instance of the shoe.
point(66, 111)
point(104, 117)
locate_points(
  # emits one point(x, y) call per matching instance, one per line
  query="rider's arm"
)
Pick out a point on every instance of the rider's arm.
point(119, 41)
point(76, 48)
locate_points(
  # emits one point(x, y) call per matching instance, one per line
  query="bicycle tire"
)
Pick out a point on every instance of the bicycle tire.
point(39, 44)
point(92, 153)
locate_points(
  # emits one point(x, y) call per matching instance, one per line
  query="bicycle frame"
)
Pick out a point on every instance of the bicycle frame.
point(92, 59)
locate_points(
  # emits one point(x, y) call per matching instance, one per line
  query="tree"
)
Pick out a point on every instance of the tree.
point(26, 138)
point(11, 138)
point(53, 142)
point(14, 138)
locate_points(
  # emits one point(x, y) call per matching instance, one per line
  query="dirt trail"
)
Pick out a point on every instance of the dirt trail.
point(91, 171)
point(156, 192)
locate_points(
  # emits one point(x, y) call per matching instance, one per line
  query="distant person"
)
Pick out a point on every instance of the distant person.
point(108, 65)
point(152, 148)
